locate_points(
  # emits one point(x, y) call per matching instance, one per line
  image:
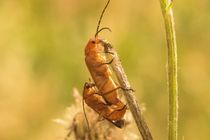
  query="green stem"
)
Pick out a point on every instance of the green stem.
point(167, 11)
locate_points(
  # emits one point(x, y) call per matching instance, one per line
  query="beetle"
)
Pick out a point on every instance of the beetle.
point(104, 94)
point(97, 103)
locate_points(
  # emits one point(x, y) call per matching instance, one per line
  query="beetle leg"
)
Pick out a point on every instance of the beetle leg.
point(119, 87)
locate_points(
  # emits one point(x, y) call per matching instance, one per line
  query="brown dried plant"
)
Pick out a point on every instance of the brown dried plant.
point(100, 129)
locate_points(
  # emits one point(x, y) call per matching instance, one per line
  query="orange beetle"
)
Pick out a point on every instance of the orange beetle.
point(97, 103)
point(101, 74)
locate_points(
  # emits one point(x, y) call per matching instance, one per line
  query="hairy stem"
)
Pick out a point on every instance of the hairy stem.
point(166, 6)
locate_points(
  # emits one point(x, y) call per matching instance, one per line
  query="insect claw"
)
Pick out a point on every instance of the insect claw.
point(107, 63)
point(110, 61)
point(128, 89)
point(119, 123)
point(110, 53)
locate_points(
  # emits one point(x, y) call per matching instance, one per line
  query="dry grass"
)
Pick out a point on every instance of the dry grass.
point(75, 121)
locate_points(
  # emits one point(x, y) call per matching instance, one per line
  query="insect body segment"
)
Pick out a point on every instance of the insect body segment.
point(101, 73)
point(96, 102)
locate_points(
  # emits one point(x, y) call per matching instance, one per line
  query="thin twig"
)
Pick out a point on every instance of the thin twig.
point(167, 11)
point(130, 97)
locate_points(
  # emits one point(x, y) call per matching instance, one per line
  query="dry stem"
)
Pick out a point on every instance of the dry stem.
point(129, 94)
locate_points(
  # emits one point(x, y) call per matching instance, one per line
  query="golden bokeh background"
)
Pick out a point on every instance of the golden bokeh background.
point(42, 59)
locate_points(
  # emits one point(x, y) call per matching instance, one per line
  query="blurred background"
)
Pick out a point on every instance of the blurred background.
point(42, 59)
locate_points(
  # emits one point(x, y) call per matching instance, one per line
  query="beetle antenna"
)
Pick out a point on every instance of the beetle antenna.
point(99, 22)
point(104, 28)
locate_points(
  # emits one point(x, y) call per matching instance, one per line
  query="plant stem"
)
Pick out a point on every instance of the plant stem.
point(167, 11)
point(129, 95)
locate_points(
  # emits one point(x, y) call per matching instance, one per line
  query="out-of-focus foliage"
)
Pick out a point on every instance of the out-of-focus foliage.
point(42, 58)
